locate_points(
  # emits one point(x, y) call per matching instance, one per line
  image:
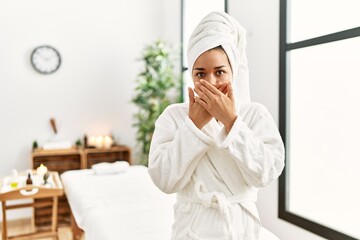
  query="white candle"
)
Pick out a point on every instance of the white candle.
point(99, 142)
point(108, 142)
point(92, 141)
point(40, 171)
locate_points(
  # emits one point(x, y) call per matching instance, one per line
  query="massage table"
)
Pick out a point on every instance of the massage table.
point(124, 205)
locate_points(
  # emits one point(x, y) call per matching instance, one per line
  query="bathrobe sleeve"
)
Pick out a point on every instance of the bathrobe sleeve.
point(177, 146)
point(256, 147)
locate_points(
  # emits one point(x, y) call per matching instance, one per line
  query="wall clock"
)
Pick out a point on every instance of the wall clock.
point(45, 59)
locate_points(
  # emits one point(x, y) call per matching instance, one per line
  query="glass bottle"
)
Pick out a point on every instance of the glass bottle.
point(29, 180)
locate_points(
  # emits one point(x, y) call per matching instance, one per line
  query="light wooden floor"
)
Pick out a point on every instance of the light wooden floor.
point(22, 226)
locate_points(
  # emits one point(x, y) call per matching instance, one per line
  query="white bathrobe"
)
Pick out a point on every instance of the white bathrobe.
point(216, 175)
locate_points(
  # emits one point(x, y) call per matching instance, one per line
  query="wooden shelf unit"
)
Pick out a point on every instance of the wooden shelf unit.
point(97, 155)
point(71, 159)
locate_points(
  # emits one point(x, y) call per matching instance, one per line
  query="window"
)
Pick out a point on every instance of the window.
point(320, 116)
point(192, 11)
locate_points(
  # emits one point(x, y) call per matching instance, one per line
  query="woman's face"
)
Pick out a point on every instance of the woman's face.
point(212, 66)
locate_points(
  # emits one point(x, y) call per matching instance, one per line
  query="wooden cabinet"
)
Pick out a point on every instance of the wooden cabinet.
point(94, 155)
point(71, 159)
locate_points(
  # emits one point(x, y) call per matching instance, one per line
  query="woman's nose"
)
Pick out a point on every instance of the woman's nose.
point(211, 78)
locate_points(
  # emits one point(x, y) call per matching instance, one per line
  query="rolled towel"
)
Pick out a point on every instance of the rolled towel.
point(57, 145)
point(221, 29)
point(110, 168)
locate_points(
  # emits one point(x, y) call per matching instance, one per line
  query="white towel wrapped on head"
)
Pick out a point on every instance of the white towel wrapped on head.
point(110, 168)
point(221, 29)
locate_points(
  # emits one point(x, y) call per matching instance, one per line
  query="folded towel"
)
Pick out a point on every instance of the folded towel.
point(220, 29)
point(57, 145)
point(110, 168)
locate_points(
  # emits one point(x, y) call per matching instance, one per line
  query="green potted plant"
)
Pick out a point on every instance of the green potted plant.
point(153, 92)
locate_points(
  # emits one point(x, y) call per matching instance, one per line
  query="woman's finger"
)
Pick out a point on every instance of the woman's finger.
point(212, 89)
point(230, 92)
point(201, 102)
point(223, 88)
point(191, 95)
point(200, 92)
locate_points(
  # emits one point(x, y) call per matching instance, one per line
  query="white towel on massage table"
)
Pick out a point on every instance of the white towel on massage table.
point(110, 168)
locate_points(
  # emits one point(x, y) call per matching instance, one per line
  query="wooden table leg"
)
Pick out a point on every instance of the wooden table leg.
point(4, 227)
point(54, 215)
point(76, 231)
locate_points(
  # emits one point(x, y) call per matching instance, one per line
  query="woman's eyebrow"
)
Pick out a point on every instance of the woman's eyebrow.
point(222, 66)
point(200, 69)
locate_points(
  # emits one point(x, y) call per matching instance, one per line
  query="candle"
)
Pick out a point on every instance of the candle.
point(40, 171)
point(92, 141)
point(99, 142)
point(108, 142)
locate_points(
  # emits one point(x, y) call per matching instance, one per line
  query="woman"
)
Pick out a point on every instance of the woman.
point(215, 151)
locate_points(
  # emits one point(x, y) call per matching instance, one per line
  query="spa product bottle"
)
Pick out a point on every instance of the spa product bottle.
point(29, 180)
point(14, 179)
point(85, 141)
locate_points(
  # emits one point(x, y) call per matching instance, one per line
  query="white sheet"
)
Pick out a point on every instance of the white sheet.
point(119, 206)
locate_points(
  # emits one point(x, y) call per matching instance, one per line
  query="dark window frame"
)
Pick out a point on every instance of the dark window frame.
point(285, 47)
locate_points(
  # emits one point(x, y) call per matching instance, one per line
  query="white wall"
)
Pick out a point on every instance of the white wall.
point(100, 42)
point(91, 92)
point(261, 19)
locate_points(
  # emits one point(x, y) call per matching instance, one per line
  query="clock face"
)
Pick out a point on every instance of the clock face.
point(45, 59)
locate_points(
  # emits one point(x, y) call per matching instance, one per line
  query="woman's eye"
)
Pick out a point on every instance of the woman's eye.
point(200, 74)
point(220, 72)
